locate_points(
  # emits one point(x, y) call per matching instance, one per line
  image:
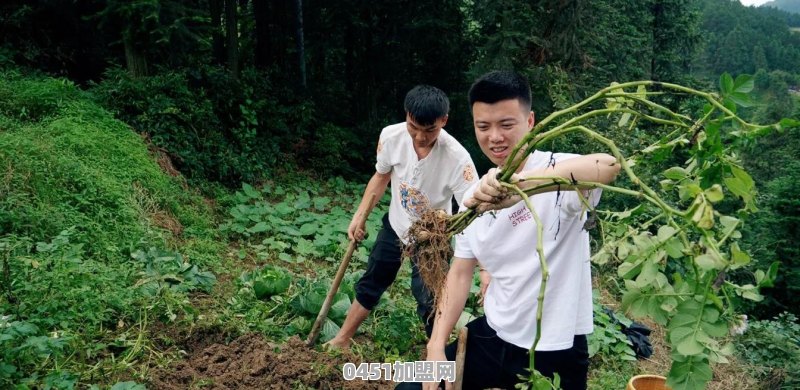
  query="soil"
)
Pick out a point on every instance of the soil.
point(251, 362)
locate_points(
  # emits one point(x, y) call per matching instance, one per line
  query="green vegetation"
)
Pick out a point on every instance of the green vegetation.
point(68, 163)
point(784, 5)
point(125, 224)
point(773, 343)
point(607, 338)
point(87, 218)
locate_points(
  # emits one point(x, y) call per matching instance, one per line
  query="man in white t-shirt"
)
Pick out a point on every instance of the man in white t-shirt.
point(504, 242)
point(427, 168)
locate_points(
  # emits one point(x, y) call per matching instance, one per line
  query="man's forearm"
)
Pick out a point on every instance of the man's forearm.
point(376, 185)
point(452, 301)
point(599, 168)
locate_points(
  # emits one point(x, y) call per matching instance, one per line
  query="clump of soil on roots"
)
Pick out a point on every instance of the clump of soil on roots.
point(251, 362)
point(429, 242)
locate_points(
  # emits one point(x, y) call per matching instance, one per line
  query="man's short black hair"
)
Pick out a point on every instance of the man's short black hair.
point(500, 85)
point(425, 104)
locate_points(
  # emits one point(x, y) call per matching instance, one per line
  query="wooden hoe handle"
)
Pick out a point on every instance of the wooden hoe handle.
point(326, 306)
point(461, 352)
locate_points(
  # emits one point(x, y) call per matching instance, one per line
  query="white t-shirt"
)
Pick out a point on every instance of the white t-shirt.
point(445, 172)
point(505, 245)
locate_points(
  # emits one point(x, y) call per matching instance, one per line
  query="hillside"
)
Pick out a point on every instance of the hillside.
point(90, 221)
point(785, 5)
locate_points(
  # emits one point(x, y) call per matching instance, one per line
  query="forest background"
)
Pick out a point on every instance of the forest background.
point(293, 94)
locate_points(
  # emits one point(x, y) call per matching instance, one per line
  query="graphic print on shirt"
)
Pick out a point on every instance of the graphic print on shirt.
point(413, 200)
point(518, 217)
point(468, 173)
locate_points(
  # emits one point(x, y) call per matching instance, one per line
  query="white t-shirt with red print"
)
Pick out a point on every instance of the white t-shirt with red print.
point(505, 244)
point(431, 182)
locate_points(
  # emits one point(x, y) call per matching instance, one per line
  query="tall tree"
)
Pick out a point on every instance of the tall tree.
point(299, 42)
point(166, 31)
point(232, 36)
point(217, 38)
point(136, 20)
point(263, 56)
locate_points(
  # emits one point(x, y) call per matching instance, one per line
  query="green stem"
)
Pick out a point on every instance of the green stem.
point(569, 184)
point(630, 232)
point(545, 272)
point(614, 151)
point(729, 233)
point(615, 89)
point(655, 106)
point(607, 111)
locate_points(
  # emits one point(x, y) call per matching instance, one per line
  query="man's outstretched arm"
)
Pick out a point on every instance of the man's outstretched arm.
point(491, 195)
point(451, 304)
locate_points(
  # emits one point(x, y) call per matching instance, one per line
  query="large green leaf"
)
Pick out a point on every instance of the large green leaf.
point(340, 307)
point(788, 123)
point(675, 173)
point(647, 275)
point(283, 209)
point(718, 328)
point(686, 342)
point(714, 194)
point(741, 184)
point(329, 330)
point(744, 84)
point(707, 262)
point(6, 370)
point(300, 325)
point(309, 228)
point(259, 228)
point(303, 201)
point(741, 99)
point(306, 248)
point(128, 386)
point(729, 224)
point(251, 192)
point(726, 84)
point(739, 258)
point(693, 373)
point(271, 281)
point(643, 304)
point(321, 202)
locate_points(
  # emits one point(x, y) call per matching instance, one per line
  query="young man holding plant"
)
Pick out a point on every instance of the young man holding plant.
point(427, 167)
point(504, 242)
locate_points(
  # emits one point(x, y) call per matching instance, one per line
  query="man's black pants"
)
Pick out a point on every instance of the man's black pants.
point(382, 267)
point(491, 362)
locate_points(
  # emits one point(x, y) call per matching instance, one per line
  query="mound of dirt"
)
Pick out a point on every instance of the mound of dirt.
point(251, 362)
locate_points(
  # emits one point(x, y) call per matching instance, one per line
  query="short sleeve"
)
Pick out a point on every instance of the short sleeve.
point(462, 247)
point(464, 177)
point(383, 164)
